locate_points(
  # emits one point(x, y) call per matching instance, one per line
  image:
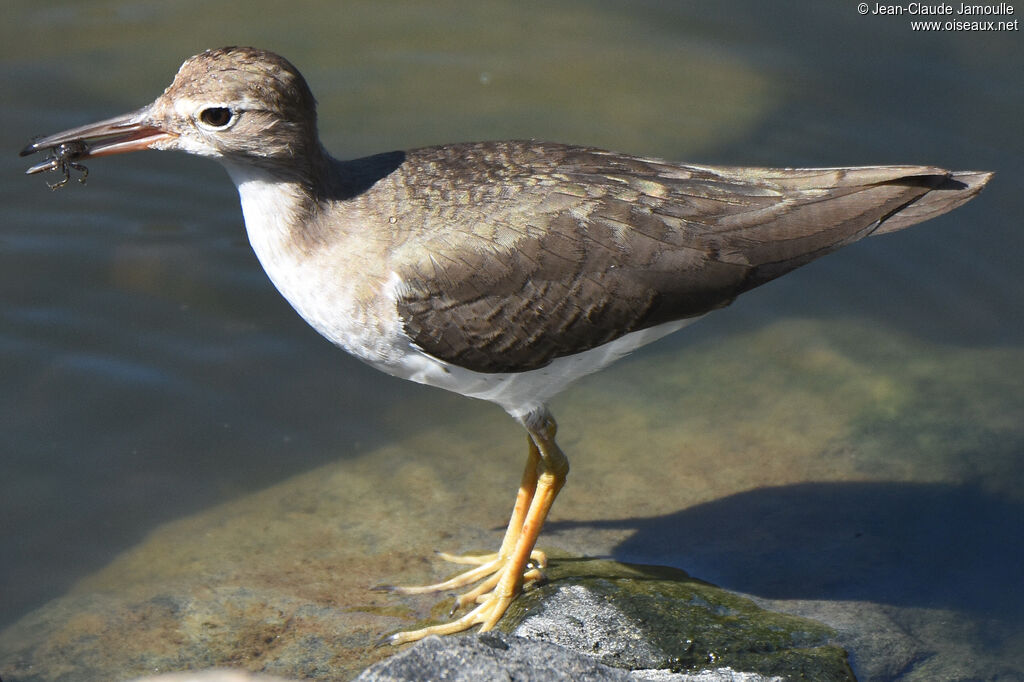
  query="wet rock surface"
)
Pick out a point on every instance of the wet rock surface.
point(652, 617)
point(594, 620)
point(603, 620)
point(497, 656)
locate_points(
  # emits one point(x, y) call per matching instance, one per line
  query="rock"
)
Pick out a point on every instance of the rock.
point(577, 618)
point(489, 656)
point(603, 620)
point(498, 656)
point(598, 620)
point(651, 617)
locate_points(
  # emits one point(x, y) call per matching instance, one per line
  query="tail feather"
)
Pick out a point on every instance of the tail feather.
point(947, 192)
point(830, 208)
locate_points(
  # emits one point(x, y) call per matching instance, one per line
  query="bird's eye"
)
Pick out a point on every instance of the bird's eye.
point(216, 117)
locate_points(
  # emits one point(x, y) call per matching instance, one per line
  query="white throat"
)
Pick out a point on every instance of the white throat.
point(270, 206)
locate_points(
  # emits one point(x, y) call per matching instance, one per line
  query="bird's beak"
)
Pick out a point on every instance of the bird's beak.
point(126, 133)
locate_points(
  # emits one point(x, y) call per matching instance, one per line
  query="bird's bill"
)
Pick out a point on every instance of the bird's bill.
point(126, 133)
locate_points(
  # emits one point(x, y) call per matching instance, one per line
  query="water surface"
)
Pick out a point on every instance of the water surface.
point(150, 370)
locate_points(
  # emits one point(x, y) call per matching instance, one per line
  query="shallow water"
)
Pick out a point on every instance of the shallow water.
point(150, 371)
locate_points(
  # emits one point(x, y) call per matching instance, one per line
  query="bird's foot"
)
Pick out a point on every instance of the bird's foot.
point(499, 588)
point(489, 568)
point(538, 559)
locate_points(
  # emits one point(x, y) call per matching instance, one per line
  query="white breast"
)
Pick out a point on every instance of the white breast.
point(322, 284)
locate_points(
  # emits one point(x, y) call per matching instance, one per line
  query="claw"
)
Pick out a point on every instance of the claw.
point(384, 641)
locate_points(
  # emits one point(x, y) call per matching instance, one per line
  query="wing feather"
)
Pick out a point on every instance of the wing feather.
point(557, 249)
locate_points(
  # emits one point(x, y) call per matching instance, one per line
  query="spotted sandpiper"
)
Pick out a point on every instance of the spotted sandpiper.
point(499, 270)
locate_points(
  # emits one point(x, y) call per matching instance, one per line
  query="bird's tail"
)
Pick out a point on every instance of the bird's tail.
point(946, 192)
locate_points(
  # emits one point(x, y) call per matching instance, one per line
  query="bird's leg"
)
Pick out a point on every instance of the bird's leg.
point(488, 564)
point(508, 569)
point(495, 561)
point(527, 487)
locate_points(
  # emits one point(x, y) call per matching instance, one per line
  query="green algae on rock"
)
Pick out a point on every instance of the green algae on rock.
point(643, 617)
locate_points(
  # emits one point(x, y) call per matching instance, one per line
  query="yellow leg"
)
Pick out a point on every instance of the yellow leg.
point(488, 564)
point(505, 572)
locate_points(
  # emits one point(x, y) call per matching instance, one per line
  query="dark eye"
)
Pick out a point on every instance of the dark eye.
point(216, 117)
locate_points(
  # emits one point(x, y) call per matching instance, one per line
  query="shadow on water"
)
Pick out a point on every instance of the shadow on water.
point(902, 544)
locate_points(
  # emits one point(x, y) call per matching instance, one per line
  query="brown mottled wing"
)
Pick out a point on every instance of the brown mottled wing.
point(543, 250)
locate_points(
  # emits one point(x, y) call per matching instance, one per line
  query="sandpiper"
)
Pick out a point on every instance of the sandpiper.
point(499, 270)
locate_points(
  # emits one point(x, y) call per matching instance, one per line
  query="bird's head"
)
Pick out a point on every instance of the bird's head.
point(240, 105)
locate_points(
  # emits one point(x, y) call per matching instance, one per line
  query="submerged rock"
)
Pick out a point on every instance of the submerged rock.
point(594, 620)
point(215, 675)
